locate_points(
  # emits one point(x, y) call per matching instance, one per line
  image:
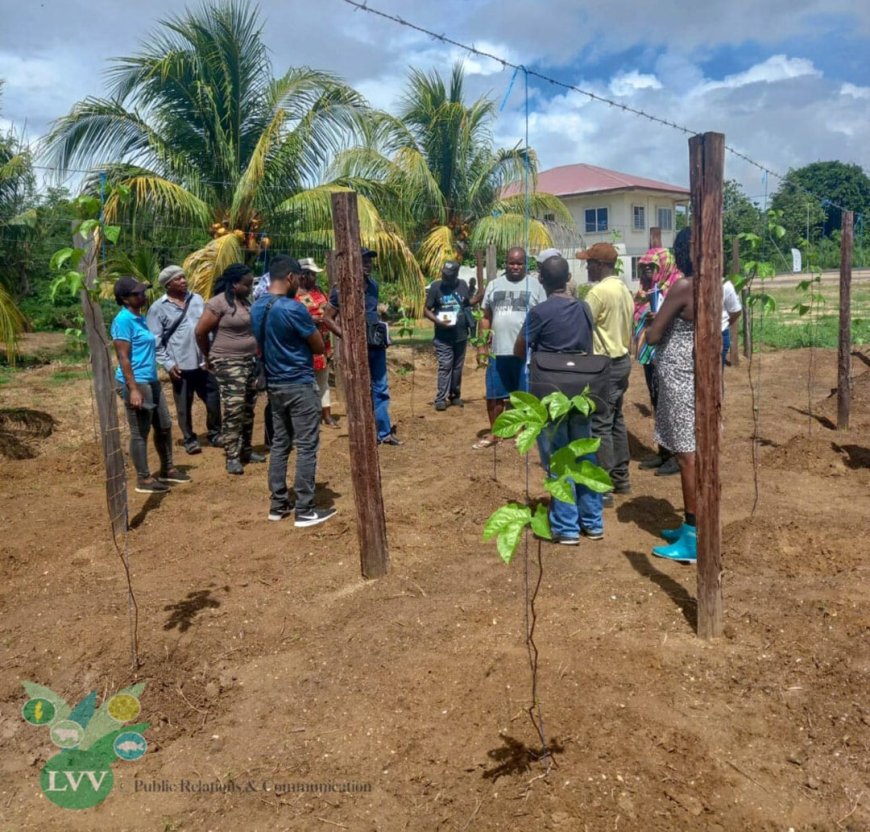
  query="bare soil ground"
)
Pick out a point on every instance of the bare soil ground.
point(269, 661)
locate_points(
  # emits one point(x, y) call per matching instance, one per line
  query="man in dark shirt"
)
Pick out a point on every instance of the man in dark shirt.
point(287, 338)
point(447, 302)
point(563, 324)
point(377, 353)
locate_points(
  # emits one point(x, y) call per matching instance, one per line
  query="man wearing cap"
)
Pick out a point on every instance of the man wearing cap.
point(506, 303)
point(613, 313)
point(172, 320)
point(377, 351)
point(448, 302)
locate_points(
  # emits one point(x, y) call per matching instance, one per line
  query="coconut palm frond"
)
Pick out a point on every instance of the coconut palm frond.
point(12, 324)
point(97, 131)
point(539, 203)
point(161, 196)
point(206, 264)
point(508, 230)
point(312, 213)
point(437, 247)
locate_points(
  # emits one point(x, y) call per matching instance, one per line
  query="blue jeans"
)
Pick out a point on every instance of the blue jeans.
point(586, 512)
point(380, 391)
point(295, 422)
point(726, 345)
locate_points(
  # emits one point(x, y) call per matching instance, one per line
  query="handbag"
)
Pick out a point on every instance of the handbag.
point(570, 373)
point(376, 334)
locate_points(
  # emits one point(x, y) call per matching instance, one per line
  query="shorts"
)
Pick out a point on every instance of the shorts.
point(505, 374)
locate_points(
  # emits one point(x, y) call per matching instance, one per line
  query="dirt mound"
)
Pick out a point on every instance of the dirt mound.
point(794, 545)
point(859, 410)
point(815, 454)
point(20, 427)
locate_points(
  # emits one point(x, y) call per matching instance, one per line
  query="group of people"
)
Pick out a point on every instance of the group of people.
point(522, 314)
point(218, 349)
point(224, 351)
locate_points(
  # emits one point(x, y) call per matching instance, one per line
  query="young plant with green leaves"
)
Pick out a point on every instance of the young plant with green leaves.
point(70, 280)
point(527, 419)
point(756, 267)
point(525, 422)
point(480, 338)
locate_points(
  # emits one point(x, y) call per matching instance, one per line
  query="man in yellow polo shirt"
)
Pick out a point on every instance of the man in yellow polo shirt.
point(612, 310)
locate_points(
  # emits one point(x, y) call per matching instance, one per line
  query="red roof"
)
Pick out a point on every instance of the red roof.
point(569, 180)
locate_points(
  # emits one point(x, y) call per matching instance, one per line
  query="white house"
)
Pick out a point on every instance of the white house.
point(609, 206)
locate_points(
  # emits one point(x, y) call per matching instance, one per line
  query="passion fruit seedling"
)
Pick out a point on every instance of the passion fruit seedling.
point(527, 419)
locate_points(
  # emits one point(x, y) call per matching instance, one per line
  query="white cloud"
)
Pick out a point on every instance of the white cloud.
point(628, 82)
point(855, 91)
point(775, 68)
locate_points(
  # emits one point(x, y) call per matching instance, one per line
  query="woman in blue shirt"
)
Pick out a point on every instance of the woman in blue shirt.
point(144, 402)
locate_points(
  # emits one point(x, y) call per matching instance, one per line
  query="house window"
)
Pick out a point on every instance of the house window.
point(596, 220)
point(666, 219)
point(549, 218)
point(639, 213)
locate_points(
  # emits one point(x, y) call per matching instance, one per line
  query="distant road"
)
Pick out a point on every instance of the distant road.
point(790, 279)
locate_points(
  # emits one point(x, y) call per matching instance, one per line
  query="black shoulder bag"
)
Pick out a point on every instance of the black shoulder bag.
point(260, 363)
point(570, 373)
point(167, 336)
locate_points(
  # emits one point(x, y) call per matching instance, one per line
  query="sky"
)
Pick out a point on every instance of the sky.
point(787, 81)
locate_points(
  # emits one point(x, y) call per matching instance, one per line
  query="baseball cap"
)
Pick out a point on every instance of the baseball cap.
point(126, 286)
point(546, 254)
point(602, 252)
point(450, 269)
point(307, 264)
point(367, 252)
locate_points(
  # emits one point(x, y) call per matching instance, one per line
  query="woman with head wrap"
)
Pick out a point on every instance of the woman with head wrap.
point(230, 354)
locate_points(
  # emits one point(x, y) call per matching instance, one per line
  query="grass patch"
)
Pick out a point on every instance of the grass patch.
point(786, 329)
point(65, 376)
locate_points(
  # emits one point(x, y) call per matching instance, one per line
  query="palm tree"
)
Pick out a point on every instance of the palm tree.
point(437, 167)
point(200, 132)
point(16, 186)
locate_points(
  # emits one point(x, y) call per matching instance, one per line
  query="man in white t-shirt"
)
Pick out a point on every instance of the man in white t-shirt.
point(506, 303)
point(731, 310)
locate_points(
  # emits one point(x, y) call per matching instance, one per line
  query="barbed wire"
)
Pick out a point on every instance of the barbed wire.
point(362, 5)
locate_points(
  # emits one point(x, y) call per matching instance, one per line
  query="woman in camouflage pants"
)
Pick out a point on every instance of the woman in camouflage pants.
point(230, 353)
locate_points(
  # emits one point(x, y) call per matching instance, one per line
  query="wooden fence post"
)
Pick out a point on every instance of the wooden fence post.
point(101, 350)
point(365, 467)
point(491, 263)
point(706, 171)
point(655, 237)
point(844, 359)
point(734, 352)
point(337, 353)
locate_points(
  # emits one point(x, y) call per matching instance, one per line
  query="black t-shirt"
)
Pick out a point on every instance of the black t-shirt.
point(560, 324)
point(453, 302)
